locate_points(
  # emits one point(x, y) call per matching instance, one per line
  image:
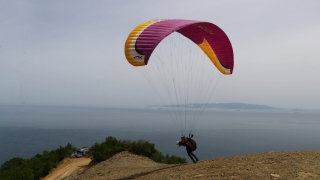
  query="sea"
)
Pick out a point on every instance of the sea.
point(26, 130)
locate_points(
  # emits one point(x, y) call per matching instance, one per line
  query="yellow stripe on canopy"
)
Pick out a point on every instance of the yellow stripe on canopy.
point(130, 51)
point(212, 56)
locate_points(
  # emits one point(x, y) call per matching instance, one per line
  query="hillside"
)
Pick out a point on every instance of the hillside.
point(295, 165)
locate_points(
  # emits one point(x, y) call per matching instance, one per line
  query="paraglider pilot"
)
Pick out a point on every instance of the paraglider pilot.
point(191, 146)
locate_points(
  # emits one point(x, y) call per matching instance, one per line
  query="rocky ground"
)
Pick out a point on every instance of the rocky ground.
point(295, 165)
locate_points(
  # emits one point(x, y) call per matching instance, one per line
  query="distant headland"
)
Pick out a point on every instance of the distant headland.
point(227, 106)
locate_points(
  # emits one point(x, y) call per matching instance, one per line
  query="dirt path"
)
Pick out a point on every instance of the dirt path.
point(68, 167)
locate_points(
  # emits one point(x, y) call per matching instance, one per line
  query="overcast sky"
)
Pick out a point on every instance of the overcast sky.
point(71, 52)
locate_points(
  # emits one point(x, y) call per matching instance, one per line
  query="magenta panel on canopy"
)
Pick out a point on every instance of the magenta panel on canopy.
point(196, 31)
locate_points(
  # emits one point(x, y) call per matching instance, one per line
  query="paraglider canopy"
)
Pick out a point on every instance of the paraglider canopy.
point(210, 38)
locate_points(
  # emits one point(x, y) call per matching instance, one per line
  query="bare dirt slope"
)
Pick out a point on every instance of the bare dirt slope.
point(295, 165)
point(121, 166)
point(67, 168)
point(274, 165)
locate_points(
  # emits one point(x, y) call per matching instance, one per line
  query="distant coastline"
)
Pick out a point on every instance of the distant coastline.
point(227, 106)
point(230, 106)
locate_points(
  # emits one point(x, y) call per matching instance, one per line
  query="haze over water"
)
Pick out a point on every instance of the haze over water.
point(27, 130)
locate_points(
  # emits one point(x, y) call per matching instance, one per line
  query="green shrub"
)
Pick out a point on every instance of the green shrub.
point(36, 167)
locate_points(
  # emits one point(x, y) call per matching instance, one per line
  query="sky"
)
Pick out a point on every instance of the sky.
point(72, 52)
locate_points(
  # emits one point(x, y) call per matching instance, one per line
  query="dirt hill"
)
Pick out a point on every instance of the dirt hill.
point(295, 165)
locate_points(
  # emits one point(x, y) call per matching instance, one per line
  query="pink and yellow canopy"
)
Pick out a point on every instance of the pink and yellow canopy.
point(142, 41)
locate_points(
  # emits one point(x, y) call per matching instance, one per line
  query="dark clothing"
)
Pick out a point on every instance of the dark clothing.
point(190, 147)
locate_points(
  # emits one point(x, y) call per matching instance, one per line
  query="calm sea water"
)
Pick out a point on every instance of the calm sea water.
point(27, 130)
